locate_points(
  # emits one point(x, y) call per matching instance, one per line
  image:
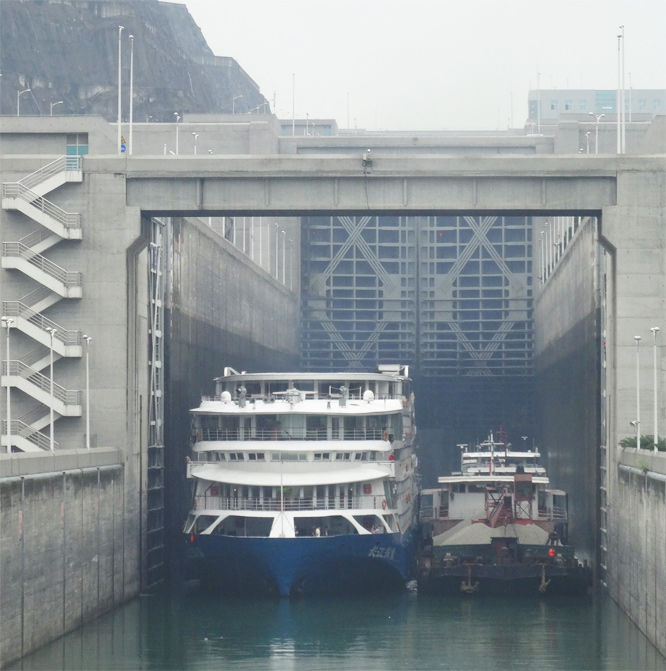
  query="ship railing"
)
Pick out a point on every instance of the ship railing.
point(283, 434)
point(554, 513)
point(353, 395)
point(272, 504)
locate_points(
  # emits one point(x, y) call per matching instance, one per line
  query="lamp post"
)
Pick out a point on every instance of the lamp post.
point(233, 104)
point(277, 233)
point(597, 118)
point(51, 332)
point(638, 392)
point(60, 102)
point(284, 257)
point(655, 435)
point(177, 120)
point(8, 321)
point(587, 141)
point(120, 72)
point(131, 93)
point(291, 265)
point(195, 136)
point(19, 93)
point(87, 339)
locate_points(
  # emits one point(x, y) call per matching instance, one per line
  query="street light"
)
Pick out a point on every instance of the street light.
point(655, 435)
point(87, 339)
point(19, 93)
point(233, 104)
point(120, 98)
point(638, 393)
point(131, 93)
point(284, 256)
point(177, 120)
point(8, 321)
point(51, 331)
point(597, 119)
point(195, 136)
point(60, 102)
point(277, 240)
point(587, 141)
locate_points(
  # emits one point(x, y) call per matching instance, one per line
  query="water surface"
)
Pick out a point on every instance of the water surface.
point(201, 630)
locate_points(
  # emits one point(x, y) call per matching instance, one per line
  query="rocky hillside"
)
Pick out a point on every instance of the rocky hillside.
point(67, 50)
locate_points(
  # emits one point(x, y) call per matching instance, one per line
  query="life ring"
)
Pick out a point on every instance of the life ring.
point(385, 435)
point(383, 505)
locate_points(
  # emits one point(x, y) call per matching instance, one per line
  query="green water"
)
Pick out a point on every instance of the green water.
point(199, 630)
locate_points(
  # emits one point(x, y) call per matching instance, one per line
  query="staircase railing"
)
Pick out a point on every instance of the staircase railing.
point(37, 438)
point(34, 414)
point(19, 250)
point(19, 369)
point(38, 236)
point(19, 309)
point(18, 190)
point(61, 164)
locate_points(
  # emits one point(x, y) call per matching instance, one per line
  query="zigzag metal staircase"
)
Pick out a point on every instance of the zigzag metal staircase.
point(27, 196)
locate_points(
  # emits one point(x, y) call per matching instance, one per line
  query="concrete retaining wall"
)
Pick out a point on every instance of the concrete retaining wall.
point(634, 232)
point(567, 384)
point(69, 550)
point(637, 580)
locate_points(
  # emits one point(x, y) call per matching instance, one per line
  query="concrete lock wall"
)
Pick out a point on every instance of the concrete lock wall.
point(567, 382)
point(68, 551)
point(635, 234)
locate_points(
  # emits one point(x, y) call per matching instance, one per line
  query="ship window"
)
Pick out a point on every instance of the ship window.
point(203, 522)
point(236, 456)
point(256, 456)
point(328, 526)
point(322, 456)
point(235, 525)
point(289, 456)
point(316, 427)
point(343, 456)
point(274, 387)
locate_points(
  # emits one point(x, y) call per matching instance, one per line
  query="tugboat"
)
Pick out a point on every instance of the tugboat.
point(497, 528)
point(304, 482)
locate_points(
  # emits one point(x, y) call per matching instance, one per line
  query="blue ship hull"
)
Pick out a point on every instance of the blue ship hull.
point(306, 565)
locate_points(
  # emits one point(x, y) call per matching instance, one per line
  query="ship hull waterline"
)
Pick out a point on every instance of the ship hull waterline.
point(289, 567)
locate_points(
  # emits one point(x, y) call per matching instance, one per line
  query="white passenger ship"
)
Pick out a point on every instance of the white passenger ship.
point(304, 482)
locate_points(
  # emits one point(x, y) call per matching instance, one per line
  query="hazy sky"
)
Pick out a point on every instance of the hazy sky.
point(431, 64)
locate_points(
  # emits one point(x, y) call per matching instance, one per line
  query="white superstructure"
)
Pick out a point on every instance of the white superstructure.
point(282, 455)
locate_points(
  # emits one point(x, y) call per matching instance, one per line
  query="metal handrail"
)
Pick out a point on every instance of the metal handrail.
point(19, 309)
point(19, 369)
point(35, 296)
point(34, 414)
point(19, 428)
point(18, 190)
point(61, 164)
point(34, 355)
point(206, 502)
point(37, 236)
point(281, 434)
point(18, 250)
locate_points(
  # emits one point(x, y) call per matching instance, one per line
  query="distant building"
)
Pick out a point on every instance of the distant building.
point(557, 102)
